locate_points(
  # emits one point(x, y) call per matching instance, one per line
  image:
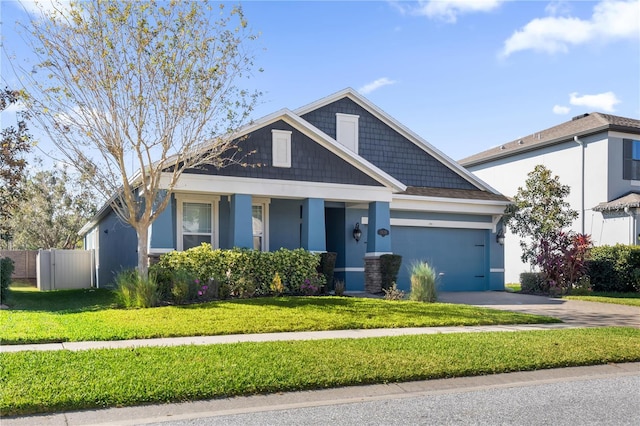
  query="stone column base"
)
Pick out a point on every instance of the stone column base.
point(372, 275)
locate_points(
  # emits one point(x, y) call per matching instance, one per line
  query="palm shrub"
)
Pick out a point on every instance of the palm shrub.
point(133, 291)
point(423, 283)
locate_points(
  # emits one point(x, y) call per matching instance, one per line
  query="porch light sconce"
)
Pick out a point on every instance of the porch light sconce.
point(357, 233)
point(500, 237)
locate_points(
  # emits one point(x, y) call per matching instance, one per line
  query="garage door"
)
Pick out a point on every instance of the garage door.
point(458, 255)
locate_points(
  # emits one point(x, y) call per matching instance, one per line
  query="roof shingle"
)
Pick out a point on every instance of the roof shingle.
point(579, 126)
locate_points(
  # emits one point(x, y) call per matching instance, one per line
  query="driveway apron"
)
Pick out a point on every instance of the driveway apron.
point(574, 312)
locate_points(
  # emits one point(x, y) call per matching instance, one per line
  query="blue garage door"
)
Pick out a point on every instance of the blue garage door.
point(458, 255)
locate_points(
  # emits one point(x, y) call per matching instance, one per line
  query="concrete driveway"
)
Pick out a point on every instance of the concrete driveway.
point(574, 312)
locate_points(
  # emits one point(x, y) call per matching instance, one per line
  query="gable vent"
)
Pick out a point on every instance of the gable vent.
point(347, 130)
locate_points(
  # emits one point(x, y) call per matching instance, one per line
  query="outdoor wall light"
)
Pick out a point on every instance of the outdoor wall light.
point(500, 237)
point(357, 233)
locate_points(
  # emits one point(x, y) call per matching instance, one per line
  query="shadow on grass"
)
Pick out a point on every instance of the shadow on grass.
point(63, 301)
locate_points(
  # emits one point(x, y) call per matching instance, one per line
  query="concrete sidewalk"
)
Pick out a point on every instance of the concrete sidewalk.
point(273, 337)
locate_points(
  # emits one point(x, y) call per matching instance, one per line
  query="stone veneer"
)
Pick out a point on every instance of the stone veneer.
point(373, 275)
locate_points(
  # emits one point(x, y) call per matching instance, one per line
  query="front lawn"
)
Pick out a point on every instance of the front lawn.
point(630, 299)
point(77, 315)
point(38, 382)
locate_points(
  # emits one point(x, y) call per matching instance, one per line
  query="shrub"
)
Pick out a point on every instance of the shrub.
point(533, 282)
point(613, 268)
point(393, 293)
point(389, 267)
point(240, 272)
point(327, 266)
point(6, 270)
point(135, 292)
point(339, 288)
point(423, 282)
point(561, 256)
point(276, 285)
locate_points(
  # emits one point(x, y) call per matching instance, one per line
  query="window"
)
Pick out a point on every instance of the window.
point(259, 217)
point(631, 159)
point(196, 221)
point(281, 147)
point(258, 227)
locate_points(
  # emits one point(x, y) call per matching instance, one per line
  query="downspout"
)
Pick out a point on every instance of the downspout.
point(581, 143)
point(632, 231)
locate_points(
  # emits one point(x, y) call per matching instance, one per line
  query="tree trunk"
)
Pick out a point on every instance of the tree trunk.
point(143, 251)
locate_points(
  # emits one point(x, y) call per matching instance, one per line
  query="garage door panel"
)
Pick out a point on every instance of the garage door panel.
point(458, 256)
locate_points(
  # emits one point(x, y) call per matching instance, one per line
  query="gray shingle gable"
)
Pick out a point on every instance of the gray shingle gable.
point(310, 162)
point(387, 149)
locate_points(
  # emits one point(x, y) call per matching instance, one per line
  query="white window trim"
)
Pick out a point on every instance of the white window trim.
point(264, 202)
point(349, 118)
point(274, 136)
point(212, 200)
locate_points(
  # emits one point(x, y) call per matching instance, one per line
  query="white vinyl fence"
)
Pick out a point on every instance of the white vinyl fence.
point(65, 269)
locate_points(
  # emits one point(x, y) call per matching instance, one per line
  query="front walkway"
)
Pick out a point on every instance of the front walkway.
point(576, 313)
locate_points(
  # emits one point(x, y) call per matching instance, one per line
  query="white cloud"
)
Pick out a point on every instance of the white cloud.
point(561, 110)
point(610, 20)
point(448, 10)
point(603, 101)
point(375, 85)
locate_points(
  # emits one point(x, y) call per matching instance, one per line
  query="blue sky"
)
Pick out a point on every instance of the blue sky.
point(465, 75)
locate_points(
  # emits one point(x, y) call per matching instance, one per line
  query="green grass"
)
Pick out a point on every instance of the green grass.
point(90, 315)
point(513, 287)
point(38, 382)
point(630, 299)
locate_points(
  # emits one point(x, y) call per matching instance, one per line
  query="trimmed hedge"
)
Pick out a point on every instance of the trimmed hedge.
point(326, 267)
point(389, 267)
point(6, 269)
point(533, 282)
point(240, 272)
point(614, 268)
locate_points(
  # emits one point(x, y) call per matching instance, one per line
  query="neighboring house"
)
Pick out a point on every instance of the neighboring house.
point(597, 155)
point(326, 169)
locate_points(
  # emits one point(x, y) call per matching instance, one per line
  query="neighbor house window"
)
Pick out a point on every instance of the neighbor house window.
point(259, 211)
point(631, 159)
point(196, 221)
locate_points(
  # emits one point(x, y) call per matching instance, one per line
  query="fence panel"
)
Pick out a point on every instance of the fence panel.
point(65, 269)
point(24, 262)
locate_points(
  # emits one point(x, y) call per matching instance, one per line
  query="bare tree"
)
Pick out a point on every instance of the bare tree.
point(135, 93)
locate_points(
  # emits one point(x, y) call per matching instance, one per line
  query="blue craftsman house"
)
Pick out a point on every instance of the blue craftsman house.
point(336, 175)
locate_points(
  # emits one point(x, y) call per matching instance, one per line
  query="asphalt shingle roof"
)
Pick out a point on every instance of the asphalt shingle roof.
point(453, 193)
point(630, 200)
point(579, 126)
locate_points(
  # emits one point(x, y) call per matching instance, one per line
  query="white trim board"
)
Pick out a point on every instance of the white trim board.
point(354, 269)
point(274, 188)
point(427, 223)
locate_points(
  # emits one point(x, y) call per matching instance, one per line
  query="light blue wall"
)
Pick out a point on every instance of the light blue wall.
point(284, 224)
point(118, 248)
point(163, 229)
point(354, 252)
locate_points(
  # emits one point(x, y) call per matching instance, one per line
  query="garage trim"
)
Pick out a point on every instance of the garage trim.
point(426, 223)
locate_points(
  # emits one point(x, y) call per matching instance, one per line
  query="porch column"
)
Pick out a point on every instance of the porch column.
point(378, 243)
point(313, 229)
point(241, 221)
